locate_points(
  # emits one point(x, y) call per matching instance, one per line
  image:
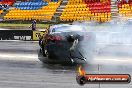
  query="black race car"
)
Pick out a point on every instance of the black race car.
point(66, 44)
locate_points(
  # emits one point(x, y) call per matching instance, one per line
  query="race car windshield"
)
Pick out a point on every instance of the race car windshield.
point(67, 29)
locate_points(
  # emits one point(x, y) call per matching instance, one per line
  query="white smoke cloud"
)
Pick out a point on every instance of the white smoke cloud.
point(111, 37)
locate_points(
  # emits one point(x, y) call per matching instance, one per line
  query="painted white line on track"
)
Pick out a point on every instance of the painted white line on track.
point(114, 43)
point(114, 60)
point(16, 41)
point(21, 57)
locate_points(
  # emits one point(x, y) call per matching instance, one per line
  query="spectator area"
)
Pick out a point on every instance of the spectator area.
point(4, 7)
point(8, 2)
point(44, 13)
point(75, 10)
point(1, 11)
point(30, 5)
point(88, 10)
point(125, 8)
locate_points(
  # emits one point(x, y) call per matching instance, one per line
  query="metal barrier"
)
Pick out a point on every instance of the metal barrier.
point(26, 35)
point(37, 34)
